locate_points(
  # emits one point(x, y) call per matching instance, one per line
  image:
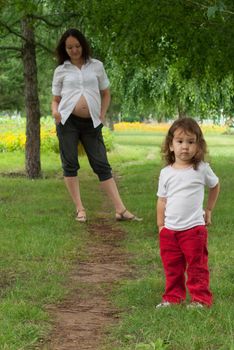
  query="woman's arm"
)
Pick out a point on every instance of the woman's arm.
point(211, 201)
point(54, 108)
point(105, 102)
point(160, 215)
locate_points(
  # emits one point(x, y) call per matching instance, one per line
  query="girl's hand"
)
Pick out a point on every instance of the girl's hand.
point(207, 217)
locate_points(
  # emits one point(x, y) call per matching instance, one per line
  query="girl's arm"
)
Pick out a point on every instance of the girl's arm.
point(54, 108)
point(211, 201)
point(106, 98)
point(160, 215)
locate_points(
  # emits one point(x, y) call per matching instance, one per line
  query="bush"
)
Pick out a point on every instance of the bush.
point(14, 139)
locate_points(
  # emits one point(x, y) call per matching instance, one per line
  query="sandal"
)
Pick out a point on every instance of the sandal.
point(81, 215)
point(122, 217)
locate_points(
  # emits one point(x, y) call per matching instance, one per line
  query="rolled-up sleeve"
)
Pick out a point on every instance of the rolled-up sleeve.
point(103, 80)
point(57, 83)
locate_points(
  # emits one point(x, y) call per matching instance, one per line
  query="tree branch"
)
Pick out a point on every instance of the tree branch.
point(43, 19)
point(11, 31)
point(12, 48)
point(44, 47)
point(206, 7)
point(52, 24)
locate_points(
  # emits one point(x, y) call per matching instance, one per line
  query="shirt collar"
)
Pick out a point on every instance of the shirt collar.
point(68, 62)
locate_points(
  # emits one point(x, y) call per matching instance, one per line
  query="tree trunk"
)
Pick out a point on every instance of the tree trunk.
point(32, 149)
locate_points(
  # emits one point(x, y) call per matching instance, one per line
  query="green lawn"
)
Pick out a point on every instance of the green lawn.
point(176, 328)
point(39, 240)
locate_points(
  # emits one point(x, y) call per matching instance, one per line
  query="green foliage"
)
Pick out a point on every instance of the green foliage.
point(108, 138)
point(13, 136)
point(164, 57)
point(176, 57)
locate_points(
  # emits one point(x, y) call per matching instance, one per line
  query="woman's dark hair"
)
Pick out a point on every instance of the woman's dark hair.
point(188, 125)
point(61, 48)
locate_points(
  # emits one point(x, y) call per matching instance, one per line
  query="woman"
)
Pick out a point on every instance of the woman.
point(81, 97)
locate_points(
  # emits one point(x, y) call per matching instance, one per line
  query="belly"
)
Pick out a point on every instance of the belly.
point(81, 108)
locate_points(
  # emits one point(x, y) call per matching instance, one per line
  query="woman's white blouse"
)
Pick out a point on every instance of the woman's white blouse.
point(70, 83)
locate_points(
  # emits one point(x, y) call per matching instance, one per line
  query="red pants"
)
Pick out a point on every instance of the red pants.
point(185, 251)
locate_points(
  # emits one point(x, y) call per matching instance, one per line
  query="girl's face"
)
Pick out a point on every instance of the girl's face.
point(184, 145)
point(74, 49)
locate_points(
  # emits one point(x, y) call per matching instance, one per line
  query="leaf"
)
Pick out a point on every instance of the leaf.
point(211, 12)
point(142, 346)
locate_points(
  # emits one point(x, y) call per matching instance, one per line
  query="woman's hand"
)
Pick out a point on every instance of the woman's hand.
point(105, 102)
point(102, 118)
point(54, 107)
point(57, 117)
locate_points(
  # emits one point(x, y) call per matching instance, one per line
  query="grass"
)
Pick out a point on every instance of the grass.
point(143, 327)
point(39, 242)
point(37, 250)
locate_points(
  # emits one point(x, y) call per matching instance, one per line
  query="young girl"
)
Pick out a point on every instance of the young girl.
point(181, 220)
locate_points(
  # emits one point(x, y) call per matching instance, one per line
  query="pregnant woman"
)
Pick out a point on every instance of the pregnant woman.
point(81, 97)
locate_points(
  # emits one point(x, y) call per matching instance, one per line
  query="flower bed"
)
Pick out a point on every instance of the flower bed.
point(13, 138)
point(163, 127)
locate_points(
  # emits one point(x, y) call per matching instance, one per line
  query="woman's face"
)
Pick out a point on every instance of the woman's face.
point(74, 49)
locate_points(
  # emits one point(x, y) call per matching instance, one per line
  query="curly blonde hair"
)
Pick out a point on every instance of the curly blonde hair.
point(188, 125)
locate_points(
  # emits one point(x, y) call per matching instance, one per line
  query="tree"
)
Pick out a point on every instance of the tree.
point(18, 24)
point(21, 27)
point(32, 154)
point(163, 57)
point(184, 44)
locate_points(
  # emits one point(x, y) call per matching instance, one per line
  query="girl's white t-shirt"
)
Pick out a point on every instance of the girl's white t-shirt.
point(184, 193)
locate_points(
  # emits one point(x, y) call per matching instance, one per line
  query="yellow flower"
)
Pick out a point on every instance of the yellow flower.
point(162, 127)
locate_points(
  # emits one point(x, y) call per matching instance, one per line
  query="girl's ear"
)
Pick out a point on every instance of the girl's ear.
point(171, 148)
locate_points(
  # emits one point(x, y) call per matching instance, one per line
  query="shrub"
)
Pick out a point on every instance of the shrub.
point(14, 139)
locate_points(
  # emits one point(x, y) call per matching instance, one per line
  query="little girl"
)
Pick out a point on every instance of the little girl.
point(181, 220)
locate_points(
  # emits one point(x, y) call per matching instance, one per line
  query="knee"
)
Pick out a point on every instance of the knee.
point(69, 168)
point(104, 176)
point(68, 173)
point(102, 170)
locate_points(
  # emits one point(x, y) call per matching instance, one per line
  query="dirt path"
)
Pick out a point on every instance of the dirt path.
point(81, 321)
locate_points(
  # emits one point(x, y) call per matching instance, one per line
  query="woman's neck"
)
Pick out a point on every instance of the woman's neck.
point(78, 63)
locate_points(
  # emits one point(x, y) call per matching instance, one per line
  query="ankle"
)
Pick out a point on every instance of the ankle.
point(79, 209)
point(120, 210)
